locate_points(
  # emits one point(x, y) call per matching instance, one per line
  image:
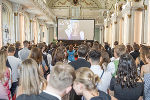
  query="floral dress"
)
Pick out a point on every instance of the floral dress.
point(4, 86)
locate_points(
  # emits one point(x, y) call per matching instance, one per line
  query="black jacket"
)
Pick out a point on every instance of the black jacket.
point(80, 63)
point(41, 96)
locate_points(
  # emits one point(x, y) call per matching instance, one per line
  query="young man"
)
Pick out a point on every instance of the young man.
point(105, 77)
point(113, 66)
point(81, 62)
point(59, 84)
point(14, 65)
point(24, 53)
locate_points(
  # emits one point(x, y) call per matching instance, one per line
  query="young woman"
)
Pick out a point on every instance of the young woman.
point(127, 85)
point(145, 72)
point(71, 53)
point(5, 74)
point(31, 80)
point(36, 54)
point(104, 60)
point(85, 84)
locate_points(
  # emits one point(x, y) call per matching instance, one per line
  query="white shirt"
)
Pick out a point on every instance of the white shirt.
point(104, 83)
point(15, 64)
point(23, 54)
point(50, 93)
point(111, 67)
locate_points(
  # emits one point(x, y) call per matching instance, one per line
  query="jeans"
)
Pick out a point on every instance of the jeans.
point(13, 88)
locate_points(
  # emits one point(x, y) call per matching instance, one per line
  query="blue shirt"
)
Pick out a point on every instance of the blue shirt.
point(71, 55)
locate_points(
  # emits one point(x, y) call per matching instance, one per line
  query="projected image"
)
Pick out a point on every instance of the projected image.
point(75, 29)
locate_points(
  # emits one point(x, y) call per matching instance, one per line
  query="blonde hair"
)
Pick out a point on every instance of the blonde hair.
point(62, 76)
point(85, 76)
point(31, 77)
point(3, 68)
point(120, 50)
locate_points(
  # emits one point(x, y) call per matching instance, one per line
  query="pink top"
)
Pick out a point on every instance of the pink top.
point(4, 87)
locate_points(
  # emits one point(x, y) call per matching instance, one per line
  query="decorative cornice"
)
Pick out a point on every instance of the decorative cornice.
point(139, 9)
point(145, 7)
point(16, 14)
point(115, 22)
point(129, 16)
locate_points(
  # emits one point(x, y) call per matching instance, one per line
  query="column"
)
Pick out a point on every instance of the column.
point(148, 33)
point(16, 8)
point(1, 42)
point(128, 28)
point(115, 27)
point(31, 27)
point(51, 33)
point(101, 36)
point(106, 33)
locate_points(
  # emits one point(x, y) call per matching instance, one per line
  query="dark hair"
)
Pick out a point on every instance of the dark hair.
point(82, 50)
point(36, 54)
point(25, 43)
point(127, 75)
point(70, 48)
point(95, 55)
point(116, 43)
point(41, 45)
point(11, 49)
point(136, 47)
point(17, 44)
point(105, 58)
point(59, 56)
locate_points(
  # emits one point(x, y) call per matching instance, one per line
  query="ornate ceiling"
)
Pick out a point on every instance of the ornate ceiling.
point(100, 4)
point(87, 9)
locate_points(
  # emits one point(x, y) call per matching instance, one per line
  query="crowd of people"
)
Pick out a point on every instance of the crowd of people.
point(86, 71)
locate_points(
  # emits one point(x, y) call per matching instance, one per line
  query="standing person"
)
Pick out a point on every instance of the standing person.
point(31, 80)
point(127, 85)
point(71, 54)
point(104, 60)
point(136, 52)
point(15, 67)
point(17, 46)
point(145, 72)
point(85, 84)
point(113, 66)
point(105, 77)
point(5, 75)
point(59, 84)
point(81, 62)
point(24, 53)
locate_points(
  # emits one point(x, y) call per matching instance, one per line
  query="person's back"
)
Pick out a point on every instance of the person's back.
point(105, 77)
point(71, 55)
point(126, 93)
point(24, 53)
point(127, 85)
point(81, 62)
point(15, 66)
point(5, 77)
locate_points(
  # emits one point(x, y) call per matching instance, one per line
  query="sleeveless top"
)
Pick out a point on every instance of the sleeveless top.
point(71, 55)
point(4, 86)
point(147, 86)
